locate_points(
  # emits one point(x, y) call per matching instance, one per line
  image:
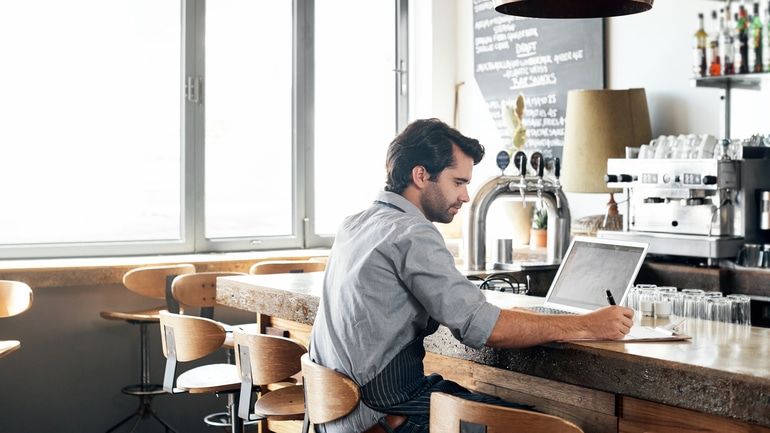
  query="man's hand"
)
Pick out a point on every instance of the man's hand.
point(612, 322)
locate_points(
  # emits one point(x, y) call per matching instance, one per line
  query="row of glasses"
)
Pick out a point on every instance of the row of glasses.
point(649, 300)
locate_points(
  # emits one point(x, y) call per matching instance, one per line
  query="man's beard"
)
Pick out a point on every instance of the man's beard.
point(436, 206)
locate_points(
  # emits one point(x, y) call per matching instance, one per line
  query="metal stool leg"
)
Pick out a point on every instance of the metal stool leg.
point(144, 390)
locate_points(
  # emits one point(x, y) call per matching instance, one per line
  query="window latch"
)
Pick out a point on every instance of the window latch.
point(192, 89)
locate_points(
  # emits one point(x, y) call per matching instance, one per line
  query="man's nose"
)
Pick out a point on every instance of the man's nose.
point(464, 197)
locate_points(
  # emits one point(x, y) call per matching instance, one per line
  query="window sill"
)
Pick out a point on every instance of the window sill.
point(41, 273)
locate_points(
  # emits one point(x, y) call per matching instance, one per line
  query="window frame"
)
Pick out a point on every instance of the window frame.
point(192, 148)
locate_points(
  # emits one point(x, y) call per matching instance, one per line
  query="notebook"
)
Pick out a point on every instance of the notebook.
point(589, 268)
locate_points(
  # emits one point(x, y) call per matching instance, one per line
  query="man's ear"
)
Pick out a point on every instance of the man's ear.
point(420, 176)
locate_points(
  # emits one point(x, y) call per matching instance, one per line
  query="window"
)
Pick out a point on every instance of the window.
point(127, 131)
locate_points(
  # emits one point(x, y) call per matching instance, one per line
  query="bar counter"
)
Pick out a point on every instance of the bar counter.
point(723, 371)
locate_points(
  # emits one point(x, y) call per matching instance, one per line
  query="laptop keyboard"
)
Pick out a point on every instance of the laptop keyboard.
point(549, 310)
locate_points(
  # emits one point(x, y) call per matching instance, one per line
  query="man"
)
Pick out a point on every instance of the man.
point(391, 281)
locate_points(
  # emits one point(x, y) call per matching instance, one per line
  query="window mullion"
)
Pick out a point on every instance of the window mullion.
point(193, 174)
point(304, 97)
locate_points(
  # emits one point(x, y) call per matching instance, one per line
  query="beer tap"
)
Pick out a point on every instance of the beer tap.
point(520, 160)
point(536, 160)
point(557, 184)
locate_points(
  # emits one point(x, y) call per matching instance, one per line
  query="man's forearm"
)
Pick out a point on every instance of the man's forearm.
point(518, 328)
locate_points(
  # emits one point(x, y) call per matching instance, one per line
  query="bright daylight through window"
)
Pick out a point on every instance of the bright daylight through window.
point(150, 127)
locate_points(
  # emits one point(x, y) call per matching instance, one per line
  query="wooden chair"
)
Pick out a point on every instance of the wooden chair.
point(286, 267)
point(152, 282)
point(447, 412)
point(15, 298)
point(321, 383)
point(189, 338)
point(262, 360)
point(199, 290)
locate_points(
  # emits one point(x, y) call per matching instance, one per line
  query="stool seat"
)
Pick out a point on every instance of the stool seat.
point(209, 379)
point(282, 404)
point(149, 315)
point(143, 389)
point(150, 282)
point(8, 346)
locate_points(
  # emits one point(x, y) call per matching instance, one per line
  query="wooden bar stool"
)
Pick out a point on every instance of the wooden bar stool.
point(188, 338)
point(448, 413)
point(152, 282)
point(199, 290)
point(262, 360)
point(286, 267)
point(15, 298)
point(320, 384)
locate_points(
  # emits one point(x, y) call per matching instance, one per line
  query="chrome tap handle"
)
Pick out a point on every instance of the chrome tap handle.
point(557, 185)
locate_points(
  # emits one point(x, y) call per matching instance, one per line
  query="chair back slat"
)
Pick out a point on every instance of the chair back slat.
point(272, 358)
point(15, 298)
point(286, 267)
point(321, 383)
point(194, 337)
point(198, 289)
point(447, 411)
point(150, 281)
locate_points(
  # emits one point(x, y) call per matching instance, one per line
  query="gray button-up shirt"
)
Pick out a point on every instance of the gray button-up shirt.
point(389, 271)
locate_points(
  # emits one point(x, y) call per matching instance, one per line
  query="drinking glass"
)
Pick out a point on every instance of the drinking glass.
point(677, 303)
point(740, 309)
point(703, 310)
point(692, 302)
point(646, 298)
point(632, 300)
point(718, 309)
point(664, 305)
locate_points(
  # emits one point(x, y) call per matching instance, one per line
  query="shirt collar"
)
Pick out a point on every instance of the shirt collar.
point(400, 201)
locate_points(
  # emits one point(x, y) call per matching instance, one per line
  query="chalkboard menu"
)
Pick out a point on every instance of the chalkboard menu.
point(540, 58)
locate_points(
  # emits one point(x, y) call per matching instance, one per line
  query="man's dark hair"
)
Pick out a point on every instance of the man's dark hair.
point(426, 142)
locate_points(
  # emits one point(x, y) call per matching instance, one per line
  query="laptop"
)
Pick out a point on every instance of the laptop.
point(589, 268)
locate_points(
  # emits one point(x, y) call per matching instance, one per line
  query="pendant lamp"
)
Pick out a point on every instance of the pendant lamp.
point(571, 8)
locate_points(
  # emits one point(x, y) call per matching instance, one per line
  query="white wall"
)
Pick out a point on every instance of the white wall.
point(650, 50)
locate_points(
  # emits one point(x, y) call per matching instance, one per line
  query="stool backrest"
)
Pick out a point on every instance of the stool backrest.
point(150, 281)
point(193, 337)
point(270, 358)
point(286, 267)
point(15, 298)
point(329, 394)
point(447, 411)
point(198, 289)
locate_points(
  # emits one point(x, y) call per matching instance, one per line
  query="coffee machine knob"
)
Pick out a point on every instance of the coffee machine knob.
point(709, 180)
point(610, 178)
point(625, 178)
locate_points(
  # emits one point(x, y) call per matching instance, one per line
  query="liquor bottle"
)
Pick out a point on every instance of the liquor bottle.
point(699, 50)
point(742, 30)
point(767, 39)
point(727, 42)
point(715, 66)
point(755, 41)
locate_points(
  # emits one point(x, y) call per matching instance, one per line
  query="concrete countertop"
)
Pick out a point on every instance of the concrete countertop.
point(724, 370)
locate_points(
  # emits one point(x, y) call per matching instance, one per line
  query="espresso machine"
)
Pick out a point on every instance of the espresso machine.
point(701, 207)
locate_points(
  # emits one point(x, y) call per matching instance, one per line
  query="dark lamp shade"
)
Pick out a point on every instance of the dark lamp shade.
point(599, 125)
point(571, 8)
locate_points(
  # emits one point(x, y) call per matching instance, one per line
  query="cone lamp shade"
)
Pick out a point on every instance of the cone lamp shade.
point(599, 125)
point(571, 8)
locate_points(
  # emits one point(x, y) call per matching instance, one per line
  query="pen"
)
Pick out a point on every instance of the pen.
point(610, 299)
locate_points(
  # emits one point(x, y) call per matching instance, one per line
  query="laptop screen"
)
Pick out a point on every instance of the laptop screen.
point(591, 267)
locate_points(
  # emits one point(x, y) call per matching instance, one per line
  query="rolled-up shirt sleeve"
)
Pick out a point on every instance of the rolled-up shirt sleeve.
point(428, 271)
